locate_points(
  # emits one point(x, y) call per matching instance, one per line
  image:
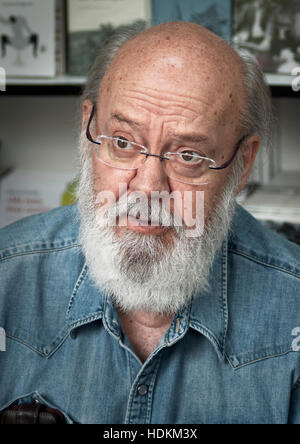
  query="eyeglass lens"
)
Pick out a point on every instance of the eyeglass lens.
point(120, 153)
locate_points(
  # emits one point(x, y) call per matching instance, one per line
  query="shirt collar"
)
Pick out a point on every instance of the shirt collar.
point(208, 311)
point(86, 303)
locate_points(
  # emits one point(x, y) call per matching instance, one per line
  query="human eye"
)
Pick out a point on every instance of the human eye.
point(122, 143)
point(189, 156)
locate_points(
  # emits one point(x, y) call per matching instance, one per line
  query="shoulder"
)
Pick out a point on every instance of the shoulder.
point(56, 228)
point(40, 264)
point(253, 241)
point(263, 289)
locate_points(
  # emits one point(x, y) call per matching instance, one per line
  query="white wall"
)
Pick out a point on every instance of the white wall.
point(289, 132)
point(39, 132)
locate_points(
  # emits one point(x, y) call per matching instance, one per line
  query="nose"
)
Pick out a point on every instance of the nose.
point(150, 176)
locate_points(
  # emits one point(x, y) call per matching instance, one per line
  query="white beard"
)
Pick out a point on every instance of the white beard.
point(142, 272)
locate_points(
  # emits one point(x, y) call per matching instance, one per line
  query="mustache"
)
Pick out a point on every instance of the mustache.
point(151, 210)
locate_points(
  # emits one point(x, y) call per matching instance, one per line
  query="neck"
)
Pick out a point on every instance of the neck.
point(147, 320)
point(144, 330)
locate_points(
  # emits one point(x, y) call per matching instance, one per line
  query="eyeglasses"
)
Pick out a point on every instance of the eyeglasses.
point(184, 165)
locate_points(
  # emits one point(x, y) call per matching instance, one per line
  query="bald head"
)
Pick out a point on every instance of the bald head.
point(191, 41)
point(185, 59)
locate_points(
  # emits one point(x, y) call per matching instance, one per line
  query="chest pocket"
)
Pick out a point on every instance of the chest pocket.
point(32, 408)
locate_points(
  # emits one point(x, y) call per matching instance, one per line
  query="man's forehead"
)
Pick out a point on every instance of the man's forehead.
point(191, 106)
point(171, 78)
point(188, 69)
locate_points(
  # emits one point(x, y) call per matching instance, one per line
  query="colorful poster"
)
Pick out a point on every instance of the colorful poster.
point(212, 14)
point(92, 22)
point(269, 30)
point(27, 37)
point(23, 193)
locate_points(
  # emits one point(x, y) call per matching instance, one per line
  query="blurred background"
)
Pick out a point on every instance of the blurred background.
point(46, 49)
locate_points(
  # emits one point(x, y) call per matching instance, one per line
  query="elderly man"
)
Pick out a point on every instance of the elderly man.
point(113, 310)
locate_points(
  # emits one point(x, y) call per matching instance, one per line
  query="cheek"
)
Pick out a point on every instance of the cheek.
point(107, 178)
point(205, 198)
point(214, 190)
point(191, 201)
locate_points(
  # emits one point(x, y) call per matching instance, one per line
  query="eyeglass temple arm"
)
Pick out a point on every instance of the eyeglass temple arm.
point(228, 162)
point(88, 133)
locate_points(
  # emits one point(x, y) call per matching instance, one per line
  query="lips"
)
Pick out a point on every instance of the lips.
point(136, 221)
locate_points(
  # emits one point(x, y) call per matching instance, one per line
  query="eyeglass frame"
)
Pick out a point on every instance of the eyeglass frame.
point(221, 167)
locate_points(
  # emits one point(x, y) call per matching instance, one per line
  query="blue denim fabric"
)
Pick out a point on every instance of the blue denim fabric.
point(227, 358)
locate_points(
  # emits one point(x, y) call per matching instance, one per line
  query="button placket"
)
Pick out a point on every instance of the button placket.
point(142, 389)
point(140, 400)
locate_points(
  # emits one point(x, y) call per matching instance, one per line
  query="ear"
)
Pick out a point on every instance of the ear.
point(86, 112)
point(250, 150)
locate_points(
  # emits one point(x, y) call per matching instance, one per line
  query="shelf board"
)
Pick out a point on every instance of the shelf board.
point(281, 85)
point(60, 85)
point(279, 79)
point(63, 80)
point(272, 79)
point(278, 201)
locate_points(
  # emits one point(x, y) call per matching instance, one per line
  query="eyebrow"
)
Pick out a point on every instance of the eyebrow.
point(193, 138)
point(187, 138)
point(121, 118)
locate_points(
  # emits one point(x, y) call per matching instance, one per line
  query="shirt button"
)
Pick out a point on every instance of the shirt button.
point(142, 389)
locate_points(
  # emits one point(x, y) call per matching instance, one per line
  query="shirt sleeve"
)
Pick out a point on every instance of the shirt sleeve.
point(294, 414)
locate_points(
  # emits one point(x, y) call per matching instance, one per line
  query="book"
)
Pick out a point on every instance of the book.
point(269, 30)
point(277, 203)
point(23, 193)
point(60, 38)
point(212, 14)
point(91, 22)
point(27, 34)
point(69, 195)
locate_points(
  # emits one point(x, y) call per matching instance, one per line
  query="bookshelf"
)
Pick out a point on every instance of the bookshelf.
point(64, 80)
point(40, 123)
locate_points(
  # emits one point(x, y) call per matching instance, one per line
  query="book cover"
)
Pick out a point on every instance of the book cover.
point(23, 193)
point(60, 38)
point(269, 30)
point(275, 203)
point(92, 22)
point(212, 14)
point(27, 34)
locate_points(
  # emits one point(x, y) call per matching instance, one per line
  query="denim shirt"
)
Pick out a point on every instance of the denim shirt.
point(231, 356)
